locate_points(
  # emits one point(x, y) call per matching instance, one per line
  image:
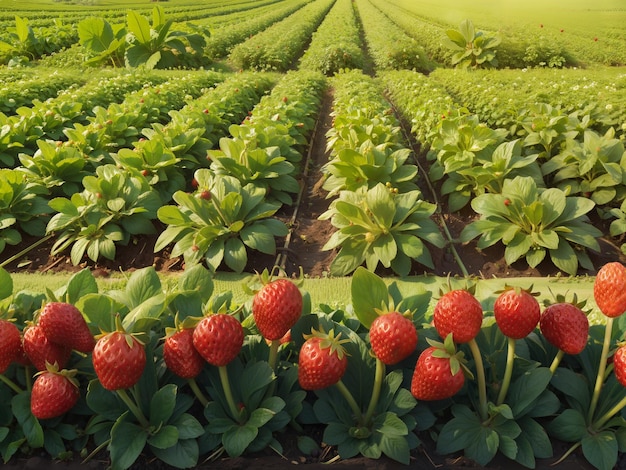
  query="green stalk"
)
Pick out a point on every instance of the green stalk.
point(480, 377)
point(228, 392)
point(134, 409)
point(197, 392)
point(378, 383)
point(351, 401)
point(273, 357)
point(9, 383)
point(25, 250)
point(508, 372)
point(556, 361)
point(609, 414)
point(601, 369)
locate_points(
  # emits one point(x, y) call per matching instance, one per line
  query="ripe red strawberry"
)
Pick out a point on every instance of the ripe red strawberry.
point(566, 327)
point(276, 307)
point(619, 364)
point(322, 360)
point(458, 312)
point(53, 394)
point(393, 337)
point(517, 313)
point(609, 289)
point(434, 377)
point(63, 323)
point(10, 344)
point(218, 338)
point(39, 349)
point(118, 360)
point(180, 356)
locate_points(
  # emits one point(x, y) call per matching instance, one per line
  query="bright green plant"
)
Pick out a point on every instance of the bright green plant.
point(219, 221)
point(593, 168)
point(113, 206)
point(264, 167)
point(58, 166)
point(367, 166)
point(471, 48)
point(380, 225)
point(532, 222)
point(22, 207)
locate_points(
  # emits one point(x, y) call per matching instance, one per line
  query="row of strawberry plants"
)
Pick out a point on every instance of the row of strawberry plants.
point(389, 46)
point(250, 177)
point(120, 200)
point(182, 372)
point(228, 34)
point(48, 119)
point(505, 174)
point(18, 92)
point(336, 44)
point(278, 47)
point(378, 211)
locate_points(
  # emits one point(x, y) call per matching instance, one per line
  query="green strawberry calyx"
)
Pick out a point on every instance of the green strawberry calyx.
point(329, 340)
point(447, 350)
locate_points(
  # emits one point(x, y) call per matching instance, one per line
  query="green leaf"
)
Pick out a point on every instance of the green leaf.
point(238, 438)
point(197, 279)
point(188, 427)
point(395, 447)
point(600, 450)
point(142, 285)
point(184, 454)
point(569, 426)
point(127, 442)
point(527, 388)
point(81, 284)
point(162, 405)
point(167, 436)
point(369, 292)
point(6, 286)
point(20, 406)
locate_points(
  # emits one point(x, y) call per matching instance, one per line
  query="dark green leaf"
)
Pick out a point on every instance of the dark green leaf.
point(127, 442)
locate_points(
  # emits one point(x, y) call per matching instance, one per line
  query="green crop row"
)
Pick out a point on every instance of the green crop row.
point(336, 44)
point(388, 45)
point(227, 35)
point(278, 47)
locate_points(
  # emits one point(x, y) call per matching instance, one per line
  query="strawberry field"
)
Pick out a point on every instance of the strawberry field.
point(462, 170)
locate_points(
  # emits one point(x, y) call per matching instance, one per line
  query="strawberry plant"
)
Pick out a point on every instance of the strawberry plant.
point(113, 206)
point(532, 222)
point(218, 222)
point(22, 207)
point(379, 225)
point(471, 48)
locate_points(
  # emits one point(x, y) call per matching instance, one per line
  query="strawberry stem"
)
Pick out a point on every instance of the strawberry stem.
point(273, 356)
point(557, 361)
point(480, 377)
point(228, 393)
point(9, 383)
point(378, 383)
point(508, 372)
point(197, 392)
point(609, 414)
point(351, 401)
point(608, 330)
point(134, 409)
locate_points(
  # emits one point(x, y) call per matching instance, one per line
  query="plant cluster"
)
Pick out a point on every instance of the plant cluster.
point(277, 47)
point(182, 372)
point(336, 45)
point(390, 47)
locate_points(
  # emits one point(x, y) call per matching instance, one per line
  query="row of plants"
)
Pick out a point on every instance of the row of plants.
point(336, 44)
point(279, 46)
point(250, 178)
point(20, 91)
point(227, 34)
point(121, 198)
point(388, 46)
point(378, 211)
point(48, 119)
point(505, 176)
point(180, 372)
point(523, 45)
